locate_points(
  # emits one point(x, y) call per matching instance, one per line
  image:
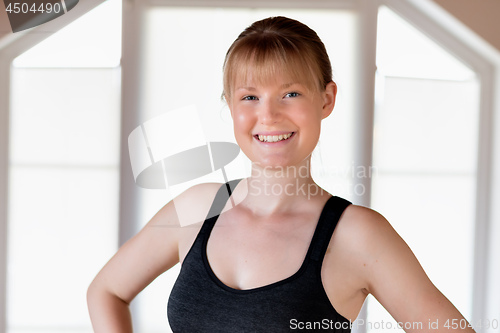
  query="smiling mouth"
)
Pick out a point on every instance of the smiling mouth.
point(274, 138)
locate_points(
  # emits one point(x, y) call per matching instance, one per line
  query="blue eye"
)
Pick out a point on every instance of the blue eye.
point(249, 98)
point(292, 94)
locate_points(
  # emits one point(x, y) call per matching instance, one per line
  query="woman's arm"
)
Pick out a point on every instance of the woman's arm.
point(144, 257)
point(395, 277)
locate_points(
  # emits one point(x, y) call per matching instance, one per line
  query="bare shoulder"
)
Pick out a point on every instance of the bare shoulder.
point(365, 228)
point(361, 216)
point(188, 208)
point(193, 204)
point(378, 252)
point(368, 240)
point(157, 247)
point(192, 207)
point(381, 263)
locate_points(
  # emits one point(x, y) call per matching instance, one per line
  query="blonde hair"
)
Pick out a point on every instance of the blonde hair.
point(277, 46)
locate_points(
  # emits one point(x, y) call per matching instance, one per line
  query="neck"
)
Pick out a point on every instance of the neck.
point(278, 189)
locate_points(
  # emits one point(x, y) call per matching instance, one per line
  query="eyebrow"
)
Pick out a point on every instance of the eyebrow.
point(283, 86)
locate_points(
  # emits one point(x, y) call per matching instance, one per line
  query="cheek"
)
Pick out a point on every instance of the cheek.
point(309, 117)
point(310, 121)
point(242, 126)
point(242, 120)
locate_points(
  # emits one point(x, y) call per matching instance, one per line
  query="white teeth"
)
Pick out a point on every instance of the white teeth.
point(274, 138)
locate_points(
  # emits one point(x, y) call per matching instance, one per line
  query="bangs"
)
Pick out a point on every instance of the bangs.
point(262, 60)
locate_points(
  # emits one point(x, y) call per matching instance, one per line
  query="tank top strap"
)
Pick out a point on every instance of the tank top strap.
point(329, 217)
point(218, 204)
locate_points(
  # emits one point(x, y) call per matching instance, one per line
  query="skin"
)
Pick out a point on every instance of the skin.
point(265, 236)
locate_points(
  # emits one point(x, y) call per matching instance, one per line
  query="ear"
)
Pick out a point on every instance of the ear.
point(329, 96)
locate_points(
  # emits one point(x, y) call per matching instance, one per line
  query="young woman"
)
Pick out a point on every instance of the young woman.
point(282, 254)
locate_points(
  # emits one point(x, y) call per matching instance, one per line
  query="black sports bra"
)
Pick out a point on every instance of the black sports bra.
point(200, 302)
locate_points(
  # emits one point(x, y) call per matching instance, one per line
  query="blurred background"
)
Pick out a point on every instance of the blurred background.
point(413, 135)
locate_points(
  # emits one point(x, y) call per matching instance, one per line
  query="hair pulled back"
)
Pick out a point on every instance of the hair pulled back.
point(277, 46)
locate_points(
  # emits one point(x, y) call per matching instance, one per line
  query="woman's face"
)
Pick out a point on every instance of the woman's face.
point(277, 122)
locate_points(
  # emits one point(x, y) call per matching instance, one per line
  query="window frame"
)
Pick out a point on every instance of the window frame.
point(424, 15)
point(484, 69)
point(10, 47)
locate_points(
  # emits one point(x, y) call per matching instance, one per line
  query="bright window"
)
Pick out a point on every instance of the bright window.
point(63, 172)
point(425, 153)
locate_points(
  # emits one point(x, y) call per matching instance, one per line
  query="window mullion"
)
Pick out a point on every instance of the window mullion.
point(4, 164)
point(129, 197)
point(365, 110)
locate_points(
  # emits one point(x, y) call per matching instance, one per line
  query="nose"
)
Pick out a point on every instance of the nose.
point(269, 113)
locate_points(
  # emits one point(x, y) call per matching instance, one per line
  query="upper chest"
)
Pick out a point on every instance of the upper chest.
point(246, 251)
